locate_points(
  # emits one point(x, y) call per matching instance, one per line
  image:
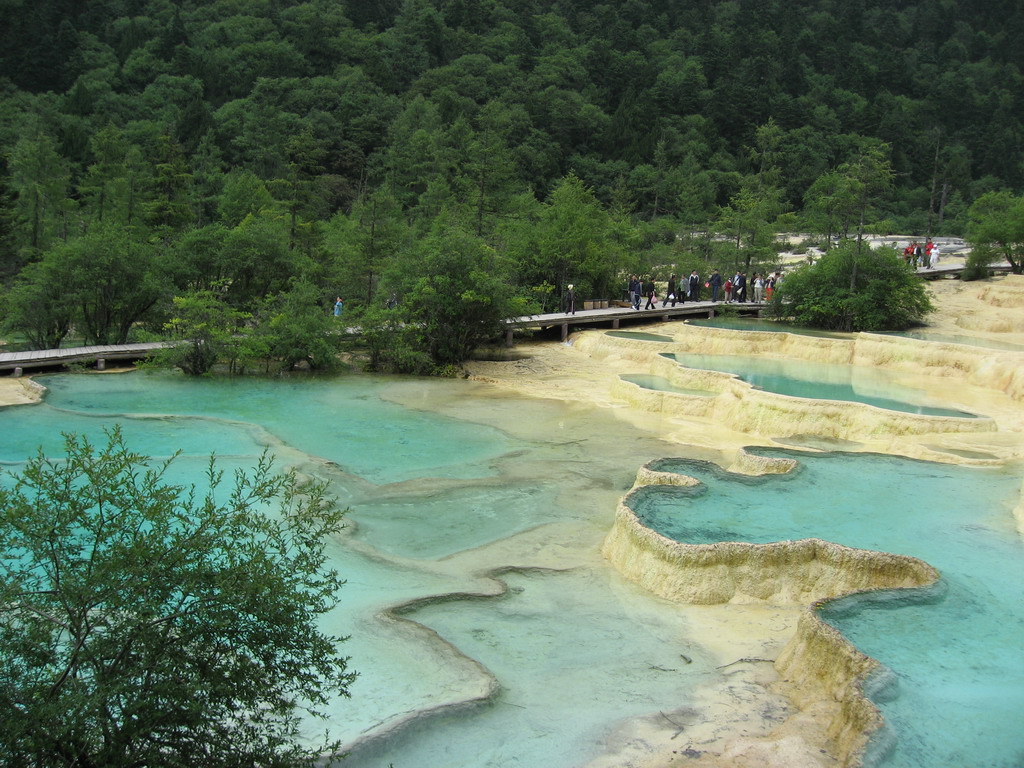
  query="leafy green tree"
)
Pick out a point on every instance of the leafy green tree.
point(294, 327)
point(829, 206)
point(749, 220)
point(996, 230)
point(863, 180)
point(453, 295)
point(574, 240)
point(850, 289)
point(362, 243)
point(39, 177)
point(169, 207)
point(103, 282)
point(206, 328)
point(108, 183)
point(38, 306)
point(244, 194)
point(146, 623)
point(114, 279)
point(256, 260)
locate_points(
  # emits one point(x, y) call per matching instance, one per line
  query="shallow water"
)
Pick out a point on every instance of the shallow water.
point(819, 381)
point(661, 384)
point(923, 334)
point(639, 336)
point(441, 477)
point(950, 338)
point(770, 326)
point(955, 695)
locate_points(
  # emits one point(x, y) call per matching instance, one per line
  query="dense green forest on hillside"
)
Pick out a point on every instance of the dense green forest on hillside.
point(262, 151)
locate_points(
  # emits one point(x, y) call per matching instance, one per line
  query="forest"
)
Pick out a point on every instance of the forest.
point(168, 167)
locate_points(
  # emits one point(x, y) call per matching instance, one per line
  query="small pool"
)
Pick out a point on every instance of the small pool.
point(771, 326)
point(956, 689)
point(639, 336)
point(661, 384)
point(819, 381)
point(970, 341)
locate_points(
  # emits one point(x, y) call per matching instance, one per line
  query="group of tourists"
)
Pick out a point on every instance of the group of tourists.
point(762, 284)
point(922, 256)
point(680, 290)
point(677, 291)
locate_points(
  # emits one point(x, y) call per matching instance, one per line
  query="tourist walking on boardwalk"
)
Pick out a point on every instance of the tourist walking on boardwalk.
point(670, 292)
point(936, 252)
point(339, 305)
point(634, 291)
point(716, 284)
point(569, 300)
point(728, 290)
point(651, 293)
point(929, 246)
point(769, 287)
point(693, 283)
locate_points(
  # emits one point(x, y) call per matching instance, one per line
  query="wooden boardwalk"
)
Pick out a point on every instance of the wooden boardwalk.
point(54, 358)
point(615, 316)
point(941, 271)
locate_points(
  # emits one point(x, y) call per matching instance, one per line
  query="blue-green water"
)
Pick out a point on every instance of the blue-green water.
point(949, 338)
point(639, 336)
point(956, 693)
point(661, 384)
point(774, 326)
point(771, 326)
point(443, 477)
point(819, 381)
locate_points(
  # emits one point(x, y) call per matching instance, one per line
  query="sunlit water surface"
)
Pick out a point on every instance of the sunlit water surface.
point(661, 384)
point(435, 472)
point(923, 334)
point(440, 473)
point(954, 691)
point(819, 381)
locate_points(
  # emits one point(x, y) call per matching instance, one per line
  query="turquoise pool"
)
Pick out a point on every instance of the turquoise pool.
point(440, 476)
point(954, 692)
point(922, 334)
point(639, 336)
point(661, 384)
point(443, 476)
point(819, 381)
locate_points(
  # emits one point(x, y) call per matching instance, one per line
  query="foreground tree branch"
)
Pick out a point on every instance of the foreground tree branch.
point(143, 623)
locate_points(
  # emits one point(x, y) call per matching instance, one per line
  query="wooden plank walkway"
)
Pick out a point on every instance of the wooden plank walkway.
point(614, 316)
point(51, 358)
point(935, 273)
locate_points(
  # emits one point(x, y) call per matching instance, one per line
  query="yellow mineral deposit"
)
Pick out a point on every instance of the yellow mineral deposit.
point(736, 591)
